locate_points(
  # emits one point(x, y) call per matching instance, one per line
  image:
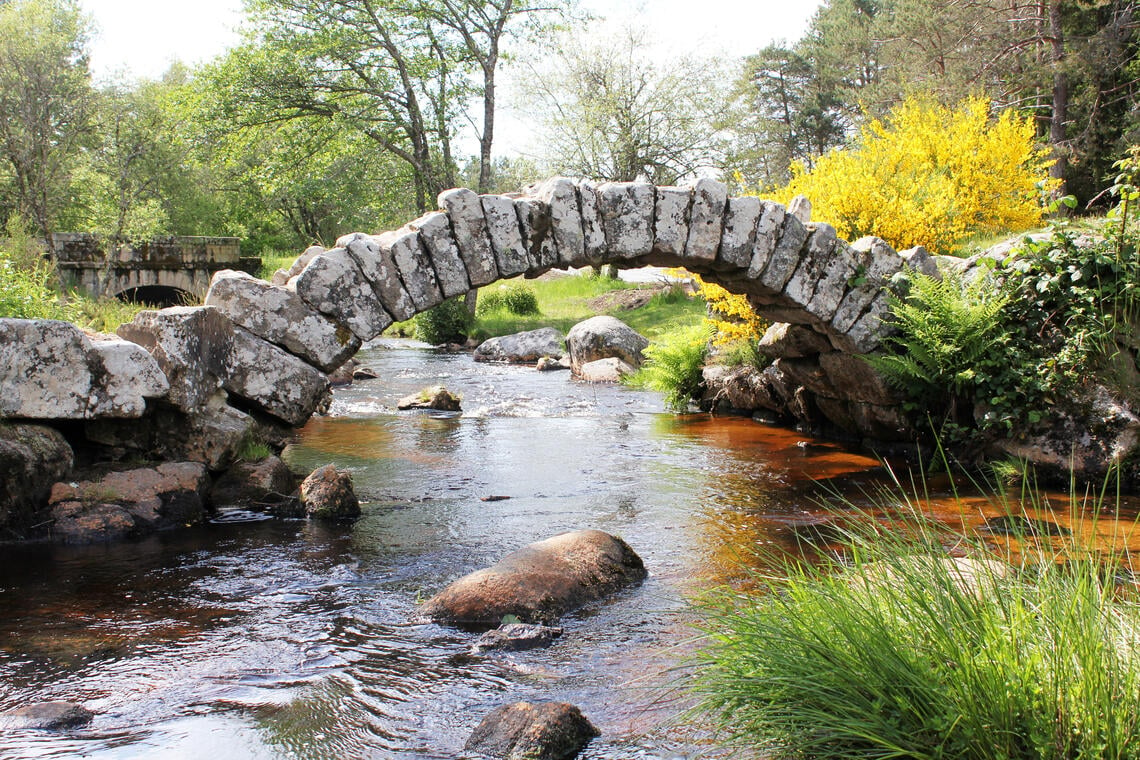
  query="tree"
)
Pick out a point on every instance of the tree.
point(45, 99)
point(611, 112)
point(399, 72)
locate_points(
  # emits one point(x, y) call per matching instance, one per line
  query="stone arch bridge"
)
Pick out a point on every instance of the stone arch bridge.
point(258, 353)
point(165, 271)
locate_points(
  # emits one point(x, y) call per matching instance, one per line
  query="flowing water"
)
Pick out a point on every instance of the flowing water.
point(286, 639)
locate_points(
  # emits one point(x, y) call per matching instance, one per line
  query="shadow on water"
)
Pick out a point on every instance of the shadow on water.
point(283, 639)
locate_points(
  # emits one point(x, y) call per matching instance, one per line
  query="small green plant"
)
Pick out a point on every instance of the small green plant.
point(673, 365)
point(253, 449)
point(946, 328)
point(894, 649)
point(448, 322)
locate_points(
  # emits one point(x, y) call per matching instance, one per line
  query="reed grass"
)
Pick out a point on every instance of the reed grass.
point(893, 648)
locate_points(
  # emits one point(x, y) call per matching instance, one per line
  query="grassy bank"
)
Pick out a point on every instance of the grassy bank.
point(891, 648)
point(561, 301)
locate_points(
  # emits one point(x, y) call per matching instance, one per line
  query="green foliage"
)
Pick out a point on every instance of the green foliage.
point(447, 323)
point(26, 291)
point(515, 298)
point(673, 365)
point(946, 329)
point(896, 650)
point(253, 449)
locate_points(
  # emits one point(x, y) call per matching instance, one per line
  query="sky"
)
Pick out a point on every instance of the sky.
point(141, 38)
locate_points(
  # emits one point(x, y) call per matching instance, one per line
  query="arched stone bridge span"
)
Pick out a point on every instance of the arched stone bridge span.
point(791, 271)
point(259, 352)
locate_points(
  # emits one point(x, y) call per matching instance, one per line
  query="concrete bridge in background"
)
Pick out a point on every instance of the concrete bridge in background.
point(165, 271)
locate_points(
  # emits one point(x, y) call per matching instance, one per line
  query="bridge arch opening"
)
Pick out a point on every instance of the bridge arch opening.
point(156, 295)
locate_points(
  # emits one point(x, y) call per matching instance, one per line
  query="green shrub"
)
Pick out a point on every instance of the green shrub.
point(515, 297)
point(892, 651)
point(673, 365)
point(449, 322)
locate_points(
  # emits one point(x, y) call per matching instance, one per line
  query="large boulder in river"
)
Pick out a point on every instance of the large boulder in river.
point(522, 348)
point(540, 582)
point(532, 731)
point(32, 458)
point(602, 338)
point(327, 494)
point(436, 398)
point(129, 503)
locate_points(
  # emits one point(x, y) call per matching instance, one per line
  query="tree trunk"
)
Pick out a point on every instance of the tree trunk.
point(1057, 121)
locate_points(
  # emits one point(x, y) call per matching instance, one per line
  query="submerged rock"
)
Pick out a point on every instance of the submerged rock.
point(327, 495)
point(129, 503)
point(437, 398)
point(540, 582)
point(266, 483)
point(515, 637)
point(610, 370)
point(46, 716)
point(532, 731)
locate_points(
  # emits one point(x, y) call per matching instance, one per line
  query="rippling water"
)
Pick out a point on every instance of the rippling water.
point(284, 639)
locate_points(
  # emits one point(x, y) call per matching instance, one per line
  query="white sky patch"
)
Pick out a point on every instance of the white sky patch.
point(141, 38)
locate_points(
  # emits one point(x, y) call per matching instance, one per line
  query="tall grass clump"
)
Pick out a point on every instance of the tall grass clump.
point(893, 649)
point(673, 365)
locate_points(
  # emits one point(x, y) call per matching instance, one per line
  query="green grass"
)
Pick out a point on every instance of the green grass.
point(890, 649)
point(271, 263)
point(562, 303)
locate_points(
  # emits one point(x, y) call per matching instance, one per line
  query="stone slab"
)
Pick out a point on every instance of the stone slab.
point(469, 227)
point(435, 233)
point(333, 284)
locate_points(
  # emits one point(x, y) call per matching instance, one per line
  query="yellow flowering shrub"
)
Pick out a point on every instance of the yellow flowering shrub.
point(930, 175)
point(730, 314)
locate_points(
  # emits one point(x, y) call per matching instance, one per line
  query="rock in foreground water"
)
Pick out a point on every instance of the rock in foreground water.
point(540, 582)
point(327, 495)
point(436, 398)
point(46, 716)
point(516, 637)
point(532, 731)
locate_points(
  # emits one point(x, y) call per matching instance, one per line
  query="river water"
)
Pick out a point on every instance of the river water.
point(285, 639)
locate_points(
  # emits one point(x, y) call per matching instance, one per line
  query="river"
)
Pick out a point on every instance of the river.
point(249, 638)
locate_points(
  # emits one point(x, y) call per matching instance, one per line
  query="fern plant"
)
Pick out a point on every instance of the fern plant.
point(674, 364)
point(946, 328)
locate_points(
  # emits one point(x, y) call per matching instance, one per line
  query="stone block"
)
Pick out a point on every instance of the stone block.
point(837, 277)
point(470, 229)
point(435, 233)
point(414, 264)
point(537, 230)
point(706, 219)
point(561, 197)
point(333, 284)
point(506, 235)
point(767, 236)
point(671, 220)
point(876, 263)
point(813, 264)
point(44, 372)
point(273, 380)
point(280, 316)
point(593, 229)
point(124, 376)
point(191, 345)
point(627, 211)
point(738, 240)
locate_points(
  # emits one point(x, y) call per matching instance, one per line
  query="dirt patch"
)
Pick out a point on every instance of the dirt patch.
point(624, 300)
